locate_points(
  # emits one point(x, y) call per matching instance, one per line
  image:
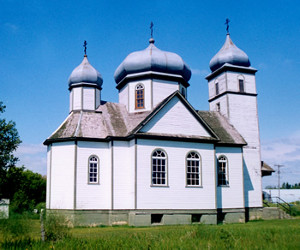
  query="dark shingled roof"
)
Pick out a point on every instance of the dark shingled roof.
point(226, 133)
point(113, 120)
point(110, 119)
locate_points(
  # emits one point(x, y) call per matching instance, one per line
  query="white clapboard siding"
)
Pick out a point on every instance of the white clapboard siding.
point(98, 97)
point(241, 110)
point(88, 98)
point(222, 102)
point(231, 196)
point(252, 173)
point(233, 82)
point(77, 98)
point(71, 101)
point(147, 95)
point(162, 89)
point(48, 176)
point(221, 80)
point(176, 195)
point(123, 96)
point(123, 172)
point(175, 118)
point(62, 175)
point(93, 196)
point(243, 115)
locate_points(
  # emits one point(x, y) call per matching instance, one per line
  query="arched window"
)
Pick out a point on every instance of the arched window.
point(217, 88)
point(223, 171)
point(139, 96)
point(159, 168)
point(241, 83)
point(193, 169)
point(93, 169)
point(241, 86)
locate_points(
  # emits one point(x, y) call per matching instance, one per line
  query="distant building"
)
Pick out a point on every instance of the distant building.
point(4, 208)
point(151, 157)
point(266, 170)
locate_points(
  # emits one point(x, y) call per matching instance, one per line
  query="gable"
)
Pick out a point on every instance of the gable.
point(175, 119)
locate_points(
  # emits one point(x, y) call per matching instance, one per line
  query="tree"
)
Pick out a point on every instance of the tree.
point(9, 141)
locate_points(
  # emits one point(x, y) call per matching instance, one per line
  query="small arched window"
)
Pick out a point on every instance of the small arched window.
point(93, 169)
point(193, 169)
point(159, 168)
point(241, 86)
point(217, 88)
point(223, 171)
point(139, 96)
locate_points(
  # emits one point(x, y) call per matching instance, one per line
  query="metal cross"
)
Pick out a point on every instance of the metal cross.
point(227, 24)
point(84, 45)
point(151, 27)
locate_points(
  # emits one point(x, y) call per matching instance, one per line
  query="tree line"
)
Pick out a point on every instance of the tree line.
point(286, 185)
point(24, 188)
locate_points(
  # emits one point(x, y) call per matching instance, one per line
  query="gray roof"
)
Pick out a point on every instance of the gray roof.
point(266, 169)
point(226, 133)
point(113, 120)
point(85, 73)
point(154, 60)
point(230, 54)
point(109, 120)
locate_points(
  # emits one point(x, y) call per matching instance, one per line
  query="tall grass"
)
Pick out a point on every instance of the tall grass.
point(283, 234)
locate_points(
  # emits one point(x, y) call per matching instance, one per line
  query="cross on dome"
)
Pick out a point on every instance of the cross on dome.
point(227, 25)
point(85, 45)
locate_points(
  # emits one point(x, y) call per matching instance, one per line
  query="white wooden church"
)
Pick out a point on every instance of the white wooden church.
point(152, 158)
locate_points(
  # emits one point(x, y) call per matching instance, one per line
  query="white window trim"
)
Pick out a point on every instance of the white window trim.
point(166, 168)
point(98, 170)
point(226, 171)
point(199, 169)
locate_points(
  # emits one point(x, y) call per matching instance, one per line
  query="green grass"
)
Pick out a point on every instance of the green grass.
point(275, 234)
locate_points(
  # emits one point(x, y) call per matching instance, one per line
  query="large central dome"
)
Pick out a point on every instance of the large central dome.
point(154, 60)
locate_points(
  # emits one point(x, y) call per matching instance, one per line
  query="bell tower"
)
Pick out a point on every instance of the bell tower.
point(232, 92)
point(85, 85)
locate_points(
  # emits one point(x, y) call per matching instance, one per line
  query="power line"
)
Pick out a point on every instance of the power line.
point(278, 173)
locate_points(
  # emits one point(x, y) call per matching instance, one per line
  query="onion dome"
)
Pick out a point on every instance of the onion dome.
point(85, 73)
point(154, 60)
point(231, 54)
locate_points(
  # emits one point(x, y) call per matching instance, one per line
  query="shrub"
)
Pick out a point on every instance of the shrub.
point(56, 227)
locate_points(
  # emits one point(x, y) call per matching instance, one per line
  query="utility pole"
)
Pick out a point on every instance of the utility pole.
point(278, 173)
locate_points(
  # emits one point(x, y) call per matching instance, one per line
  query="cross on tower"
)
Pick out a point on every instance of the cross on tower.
point(151, 28)
point(84, 45)
point(227, 24)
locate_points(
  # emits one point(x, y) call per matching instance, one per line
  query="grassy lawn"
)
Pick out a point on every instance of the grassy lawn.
point(275, 234)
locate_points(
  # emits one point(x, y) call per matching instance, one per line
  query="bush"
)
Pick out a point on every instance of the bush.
point(56, 227)
point(295, 208)
point(41, 205)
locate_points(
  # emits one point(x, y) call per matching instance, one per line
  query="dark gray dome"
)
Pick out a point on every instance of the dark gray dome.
point(152, 59)
point(85, 73)
point(231, 54)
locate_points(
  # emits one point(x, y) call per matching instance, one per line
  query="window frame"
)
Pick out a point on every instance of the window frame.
point(218, 107)
point(165, 158)
point(89, 170)
point(217, 90)
point(241, 85)
point(137, 96)
point(224, 182)
point(199, 160)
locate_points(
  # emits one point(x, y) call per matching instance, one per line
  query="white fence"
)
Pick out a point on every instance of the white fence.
point(288, 195)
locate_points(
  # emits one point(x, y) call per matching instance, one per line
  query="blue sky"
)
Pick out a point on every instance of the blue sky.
point(41, 43)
